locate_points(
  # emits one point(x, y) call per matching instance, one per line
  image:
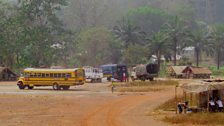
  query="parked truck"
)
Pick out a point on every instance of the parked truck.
point(93, 74)
point(144, 72)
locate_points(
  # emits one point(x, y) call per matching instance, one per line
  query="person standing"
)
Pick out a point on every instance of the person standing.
point(220, 105)
point(211, 105)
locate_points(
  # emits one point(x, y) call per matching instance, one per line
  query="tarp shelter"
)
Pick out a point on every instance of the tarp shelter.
point(7, 75)
point(204, 90)
point(176, 71)
point(196, 72)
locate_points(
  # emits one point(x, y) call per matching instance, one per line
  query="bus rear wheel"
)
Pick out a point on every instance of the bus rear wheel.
point(20, 85)
point(56, 86)
point(30, 87)
point(65, 87)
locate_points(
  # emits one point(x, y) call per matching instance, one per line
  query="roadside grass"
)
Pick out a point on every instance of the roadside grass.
point(169, 105)
point(215, 71)
point(139, 89)
point(141, 86)
point(197, 119)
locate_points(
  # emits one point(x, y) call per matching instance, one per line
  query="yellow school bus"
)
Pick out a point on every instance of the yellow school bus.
point(57, 78)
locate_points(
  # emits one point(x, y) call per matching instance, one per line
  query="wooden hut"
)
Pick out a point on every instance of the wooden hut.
point(196, 72)
point(175, 71)
point(198, 93)
point(7, 75)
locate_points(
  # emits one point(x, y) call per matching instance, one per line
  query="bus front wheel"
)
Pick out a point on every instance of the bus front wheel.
point(20, 85)
point(56, 86)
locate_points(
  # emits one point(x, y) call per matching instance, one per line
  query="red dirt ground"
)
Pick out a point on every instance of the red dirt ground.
point(87, 105)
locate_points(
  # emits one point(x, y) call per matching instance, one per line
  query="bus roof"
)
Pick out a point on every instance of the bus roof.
point(49, 70)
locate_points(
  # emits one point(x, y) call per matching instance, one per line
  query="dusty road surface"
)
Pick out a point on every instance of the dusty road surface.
point(87, 105)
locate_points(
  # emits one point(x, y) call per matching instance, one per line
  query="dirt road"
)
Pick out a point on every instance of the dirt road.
point(88, 105)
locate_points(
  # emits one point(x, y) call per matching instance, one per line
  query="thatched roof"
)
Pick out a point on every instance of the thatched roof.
point(202, 86)
point(6, 69)
point(176, 69)
point(200, 70)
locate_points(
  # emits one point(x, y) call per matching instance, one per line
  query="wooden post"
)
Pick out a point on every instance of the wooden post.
point(208, 100)
point(191, 99)
point(176, 98)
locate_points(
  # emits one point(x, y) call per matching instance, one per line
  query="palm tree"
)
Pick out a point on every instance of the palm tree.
point(129, 33)
point(217, 41)
point(199, 40)
point(158, 45)
point(177, 33)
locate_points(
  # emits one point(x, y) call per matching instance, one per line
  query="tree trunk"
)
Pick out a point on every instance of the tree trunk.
point(175, 52)
point(197, 57)
point(218, 59)
point(159, 59)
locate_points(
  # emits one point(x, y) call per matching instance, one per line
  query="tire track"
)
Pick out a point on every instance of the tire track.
point(114, 109)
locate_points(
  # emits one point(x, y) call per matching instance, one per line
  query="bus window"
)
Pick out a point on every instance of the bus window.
point(51, 75)
point(63, 75)
point(55, 75)
point(42, 75)
point(59, 75)
point(38, 74)
point(31, 74)
point(47, 75)
point(68, 75)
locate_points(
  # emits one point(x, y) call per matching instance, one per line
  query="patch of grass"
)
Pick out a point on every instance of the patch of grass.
point(147, 86)
point(152, 83)
point(215, 71)
point(139, 89)
point(197, 119)
point(170, 104)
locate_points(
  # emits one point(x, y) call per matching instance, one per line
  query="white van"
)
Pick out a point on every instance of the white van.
point(93, 74)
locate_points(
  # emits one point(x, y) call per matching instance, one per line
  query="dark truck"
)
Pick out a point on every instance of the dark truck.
point(144, 72)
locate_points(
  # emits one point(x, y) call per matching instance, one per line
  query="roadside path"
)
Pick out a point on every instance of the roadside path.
point(130, 110)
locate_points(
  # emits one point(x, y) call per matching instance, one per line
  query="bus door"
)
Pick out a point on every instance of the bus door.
point(122, 73)
point(80, 75)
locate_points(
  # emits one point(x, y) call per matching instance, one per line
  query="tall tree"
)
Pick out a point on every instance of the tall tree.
point(158, 45)
point(177, 32)
point(150, 19)
point(135, 54)
point(129, 33)
point(96, 46)
point(41, 28)
point(199, 40)
point(217, 40)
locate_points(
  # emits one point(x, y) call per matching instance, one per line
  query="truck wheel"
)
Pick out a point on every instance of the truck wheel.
point(100, 80)
point(151, 79)
point(56, 86)
point(108, 79)
point(65, 87)
point(143, 79)
point(21, 86)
